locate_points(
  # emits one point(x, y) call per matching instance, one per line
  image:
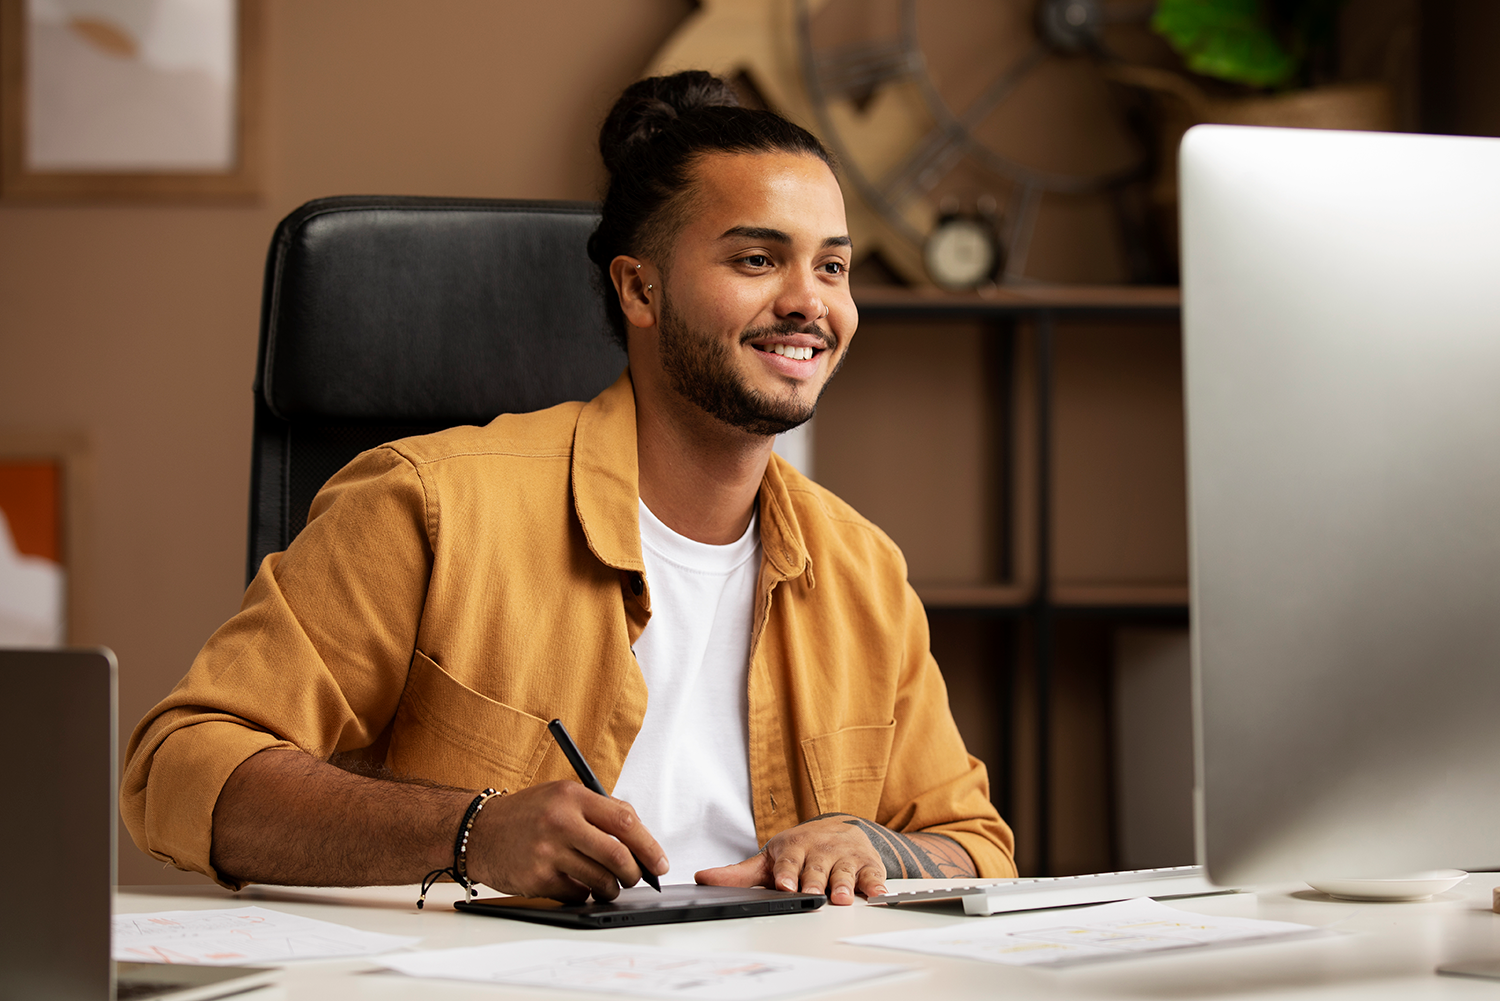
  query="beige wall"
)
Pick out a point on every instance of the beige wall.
point(134, 328)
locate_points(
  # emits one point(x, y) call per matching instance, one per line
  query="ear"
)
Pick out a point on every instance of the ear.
point(638, 285)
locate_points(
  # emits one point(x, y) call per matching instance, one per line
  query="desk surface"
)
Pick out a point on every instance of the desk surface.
point(1383, 951)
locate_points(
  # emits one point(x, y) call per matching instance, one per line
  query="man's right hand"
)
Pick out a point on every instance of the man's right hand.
point(286, 818)
point(562, 841)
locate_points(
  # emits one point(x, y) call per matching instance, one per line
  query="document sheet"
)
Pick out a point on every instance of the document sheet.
point(625, 968)
point(1071, 935)
point(240, 935)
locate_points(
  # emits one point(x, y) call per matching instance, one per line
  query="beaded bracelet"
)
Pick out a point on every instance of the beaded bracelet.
point(459, 870)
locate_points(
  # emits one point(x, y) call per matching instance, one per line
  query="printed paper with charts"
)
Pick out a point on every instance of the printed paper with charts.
point(626, 968)
point(239, 935)
point(1065, 936)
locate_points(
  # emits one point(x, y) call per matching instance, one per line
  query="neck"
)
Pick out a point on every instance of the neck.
point(698, 476)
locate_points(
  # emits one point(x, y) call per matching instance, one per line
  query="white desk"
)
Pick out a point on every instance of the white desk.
point(1385, 951)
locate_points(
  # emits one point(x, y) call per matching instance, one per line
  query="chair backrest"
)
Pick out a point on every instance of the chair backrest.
point(387, 317)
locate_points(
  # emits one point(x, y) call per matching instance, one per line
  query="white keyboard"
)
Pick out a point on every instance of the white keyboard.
point(1002, 895)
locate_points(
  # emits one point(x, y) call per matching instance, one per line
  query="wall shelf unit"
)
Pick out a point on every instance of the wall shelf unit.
point(1025, 448)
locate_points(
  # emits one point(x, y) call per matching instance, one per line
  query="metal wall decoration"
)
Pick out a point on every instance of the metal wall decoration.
point(909, 194)
point(973, 135)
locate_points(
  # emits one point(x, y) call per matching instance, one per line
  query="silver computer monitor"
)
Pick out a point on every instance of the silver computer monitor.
point(1341, 305)
point(57, 841)
point(57, 827)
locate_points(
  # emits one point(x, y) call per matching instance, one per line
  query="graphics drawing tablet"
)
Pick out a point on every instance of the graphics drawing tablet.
point(641, 905)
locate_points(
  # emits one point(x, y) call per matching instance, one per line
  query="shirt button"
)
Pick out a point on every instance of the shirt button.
point(636, 584)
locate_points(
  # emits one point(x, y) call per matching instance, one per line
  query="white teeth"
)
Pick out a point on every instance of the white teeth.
point(796, 354)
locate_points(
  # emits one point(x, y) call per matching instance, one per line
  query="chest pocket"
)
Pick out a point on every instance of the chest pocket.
point(847, 768)
point(448, 733)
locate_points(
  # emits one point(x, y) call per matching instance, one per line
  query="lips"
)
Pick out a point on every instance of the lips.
point(798, 345)
point(791, 351)
point(797, 362)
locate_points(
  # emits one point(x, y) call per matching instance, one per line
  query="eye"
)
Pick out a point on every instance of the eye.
point(835, 267)
point(756, 260)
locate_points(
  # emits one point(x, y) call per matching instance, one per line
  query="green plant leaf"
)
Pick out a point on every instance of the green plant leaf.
point(1227, 39)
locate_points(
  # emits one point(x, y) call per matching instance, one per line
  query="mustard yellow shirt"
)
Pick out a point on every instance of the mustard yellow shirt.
point(454, 592)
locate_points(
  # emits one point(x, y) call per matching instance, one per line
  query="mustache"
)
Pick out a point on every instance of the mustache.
point(789, 327)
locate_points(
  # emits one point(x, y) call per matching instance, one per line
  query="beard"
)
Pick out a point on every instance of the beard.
point(701, 369)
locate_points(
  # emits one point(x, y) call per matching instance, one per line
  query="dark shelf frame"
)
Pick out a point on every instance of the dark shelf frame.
point(1043, 306)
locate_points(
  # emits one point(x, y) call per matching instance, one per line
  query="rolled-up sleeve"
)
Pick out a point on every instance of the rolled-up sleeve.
point(933, 785)
point(316, 658)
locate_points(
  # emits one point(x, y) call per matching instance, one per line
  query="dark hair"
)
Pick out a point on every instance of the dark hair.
point(650, 141)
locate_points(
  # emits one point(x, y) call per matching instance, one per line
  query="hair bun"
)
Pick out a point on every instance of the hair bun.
point(649, 107)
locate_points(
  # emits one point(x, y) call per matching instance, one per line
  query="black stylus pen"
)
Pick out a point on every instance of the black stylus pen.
point(586, 776)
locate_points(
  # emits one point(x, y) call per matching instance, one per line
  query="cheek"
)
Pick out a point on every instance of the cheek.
point(843, 324)
point(744, 304)
point(721, 307)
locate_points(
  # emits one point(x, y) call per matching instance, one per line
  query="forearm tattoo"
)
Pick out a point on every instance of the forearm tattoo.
point(913, 856)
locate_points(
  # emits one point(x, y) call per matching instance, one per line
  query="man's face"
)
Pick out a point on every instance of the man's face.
point(756, 314)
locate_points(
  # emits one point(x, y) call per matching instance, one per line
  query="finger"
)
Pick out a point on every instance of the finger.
point(786, 868)
point(608, 853)
point(754, 871)
point(571, 866)
point(870, 881)
point(841, 881)
point(815, 868)
point(546, 875)
point(558, 887)
point(618, 819)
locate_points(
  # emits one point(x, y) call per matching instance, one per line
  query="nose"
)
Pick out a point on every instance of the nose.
point(801, 300)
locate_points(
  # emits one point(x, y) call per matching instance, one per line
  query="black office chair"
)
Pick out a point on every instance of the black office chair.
point(389, 317)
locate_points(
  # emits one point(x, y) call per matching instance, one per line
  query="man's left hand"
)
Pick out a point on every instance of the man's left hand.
point(842, 855)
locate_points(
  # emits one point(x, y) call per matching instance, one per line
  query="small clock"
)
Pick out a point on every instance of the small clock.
point(962, 252)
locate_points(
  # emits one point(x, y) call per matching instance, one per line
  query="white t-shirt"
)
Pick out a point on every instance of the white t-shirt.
point(688, 772)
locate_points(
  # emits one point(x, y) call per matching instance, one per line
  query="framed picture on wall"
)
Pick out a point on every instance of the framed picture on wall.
point(129, 99)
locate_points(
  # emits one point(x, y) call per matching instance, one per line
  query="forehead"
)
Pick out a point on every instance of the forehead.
point(793, 192)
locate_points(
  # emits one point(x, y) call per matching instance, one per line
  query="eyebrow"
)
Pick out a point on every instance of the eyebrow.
point(777, 236)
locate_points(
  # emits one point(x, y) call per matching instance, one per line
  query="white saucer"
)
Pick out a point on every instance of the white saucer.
point(1416, 886)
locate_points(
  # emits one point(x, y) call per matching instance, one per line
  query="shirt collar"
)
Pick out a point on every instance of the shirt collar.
point(606, 481)
point(606, 489)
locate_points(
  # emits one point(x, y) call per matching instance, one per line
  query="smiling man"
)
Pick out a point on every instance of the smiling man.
point(737, 652)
